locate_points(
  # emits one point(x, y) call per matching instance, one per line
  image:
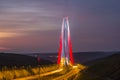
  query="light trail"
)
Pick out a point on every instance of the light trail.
point(75, 66)
point(39, 75)
point(65, 55)
point(74, 71)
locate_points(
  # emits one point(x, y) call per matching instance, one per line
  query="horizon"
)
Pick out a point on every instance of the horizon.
point(57, 52)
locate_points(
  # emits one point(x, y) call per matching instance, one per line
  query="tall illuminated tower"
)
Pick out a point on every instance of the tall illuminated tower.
point(65, 56)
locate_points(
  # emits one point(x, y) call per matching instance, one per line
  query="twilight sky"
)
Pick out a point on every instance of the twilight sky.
point(35, 25)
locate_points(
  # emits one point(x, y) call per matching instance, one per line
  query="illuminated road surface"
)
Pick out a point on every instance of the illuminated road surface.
point(74, 70)
point(71, 73)
point(37, 76)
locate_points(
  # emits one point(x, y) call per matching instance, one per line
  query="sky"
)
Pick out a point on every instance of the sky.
point(35, 25)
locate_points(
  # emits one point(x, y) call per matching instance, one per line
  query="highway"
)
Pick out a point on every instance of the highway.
point(41, 75)
point(74, 70)
point(69, 74)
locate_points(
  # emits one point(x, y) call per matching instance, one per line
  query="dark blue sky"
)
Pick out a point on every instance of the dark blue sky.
point(35, 25)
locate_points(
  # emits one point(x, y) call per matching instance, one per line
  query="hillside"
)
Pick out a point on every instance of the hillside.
point(103, 69)
point(79, 57)
point(9, 60)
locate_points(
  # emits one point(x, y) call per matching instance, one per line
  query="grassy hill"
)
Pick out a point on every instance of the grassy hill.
point(9, 60)
point(102, 69)
point(79, 57)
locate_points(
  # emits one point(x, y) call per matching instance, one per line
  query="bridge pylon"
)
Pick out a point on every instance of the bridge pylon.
point(65, 56)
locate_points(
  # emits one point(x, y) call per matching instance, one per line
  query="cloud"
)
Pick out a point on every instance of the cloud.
point(28, 24)
point(7, 35)
point(25, 16)
point(4, 48)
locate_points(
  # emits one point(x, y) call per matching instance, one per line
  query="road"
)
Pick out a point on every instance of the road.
point(37, 76)
point(70, 73)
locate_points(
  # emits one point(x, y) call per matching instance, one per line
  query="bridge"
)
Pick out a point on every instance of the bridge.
point(64, 69)
point(65, 56)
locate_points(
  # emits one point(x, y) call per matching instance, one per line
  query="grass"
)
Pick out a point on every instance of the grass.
point(105, 69)
point(24, 72)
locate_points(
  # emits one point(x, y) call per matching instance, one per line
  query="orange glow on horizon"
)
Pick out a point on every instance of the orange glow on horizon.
point(7, 34)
